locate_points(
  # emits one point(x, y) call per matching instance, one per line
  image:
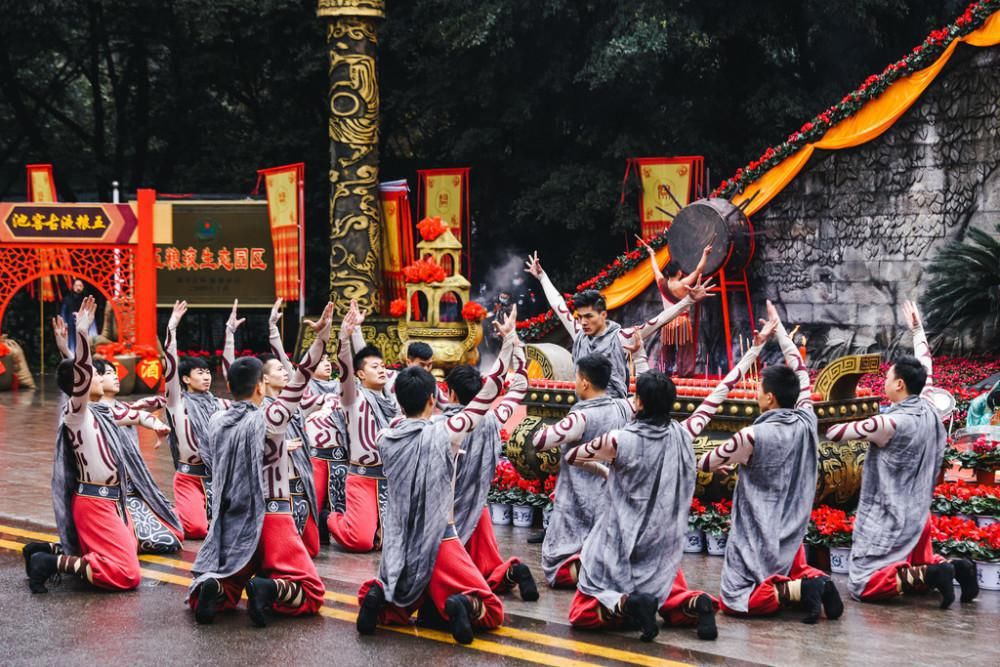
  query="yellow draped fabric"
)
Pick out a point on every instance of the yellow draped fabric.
point(870, 121)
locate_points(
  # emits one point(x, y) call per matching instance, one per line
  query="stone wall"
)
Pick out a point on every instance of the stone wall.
point(851, 236)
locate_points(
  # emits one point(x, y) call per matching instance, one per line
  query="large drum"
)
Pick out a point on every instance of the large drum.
point(711, 221)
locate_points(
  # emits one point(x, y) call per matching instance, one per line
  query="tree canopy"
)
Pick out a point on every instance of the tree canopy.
point(543, 99)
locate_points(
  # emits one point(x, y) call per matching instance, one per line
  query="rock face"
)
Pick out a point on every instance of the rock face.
point(851, 236)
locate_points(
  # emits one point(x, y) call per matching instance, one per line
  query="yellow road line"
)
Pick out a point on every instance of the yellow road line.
point(343, 598)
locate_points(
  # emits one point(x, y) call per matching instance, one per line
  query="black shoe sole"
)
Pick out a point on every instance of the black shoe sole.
point(36, 581)
point(371, 605)
point(29, 550)
point(967, 577)
point(458, 620)
point(812, 599)
point(525, 583)
point(833, 606)
point(705, 609)
point(943, 581)
point(204, 610)
point(643, 611)
point(257, 611)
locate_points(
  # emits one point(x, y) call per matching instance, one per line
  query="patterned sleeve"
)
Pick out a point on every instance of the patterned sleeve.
point(878, 430)
point(793, 359)
point(703, 413)
point(83, 373)
point(738, 449)
point(604, 448)
point(651, 326)
point(558, 305)
point(278, 349)
point(280, 412)
point(518, 386)
point(922, 352)
point(228, 352)
point(348, 391)
point(171, 371)
point(128, 415)
point(462, 423)
point(149, 403)
point(568, 429)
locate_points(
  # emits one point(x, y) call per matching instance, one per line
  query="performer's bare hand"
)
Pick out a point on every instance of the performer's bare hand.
point(700, 291)
point(707, 251)
point(161, 430)
point(911, 315)
point(59, 329)
point(180, 308)
point(321, 326)
point(772, 312)
point(767, 329)
point(509, 323)
point(634, 344)
point(234, 322)
point(85, 316)
point(534, 266)
point(725, 470)
point(275, 317)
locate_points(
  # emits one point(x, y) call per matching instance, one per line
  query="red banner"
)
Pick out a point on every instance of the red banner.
point(285, 206)
point(444, 193)
point(668, 185)
point(397, 239)
point(41, 183)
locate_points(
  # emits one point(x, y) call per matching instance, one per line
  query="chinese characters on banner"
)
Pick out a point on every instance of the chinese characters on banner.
point(285, 205)
point(62, 223)
point(444, 193)
point(41, 183)
point(397, 238)
point(668, 185)
point(209, 253)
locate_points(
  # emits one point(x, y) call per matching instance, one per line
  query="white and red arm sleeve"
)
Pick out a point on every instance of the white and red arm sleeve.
point(126, 415)
point(738, 449)
point(558, 305)
point(462, 423)
point(149, 403)
point(83, 373)
point(348, 390)
point(603, 448)
point(518, 386)
point(171, 371)
point(793, 359)
point(278, 349)
point(279, 413)
point(878, 430)
point(703, 413)
point(922, 351)
point(568, 429)
point(228, 352)
point(651, 326)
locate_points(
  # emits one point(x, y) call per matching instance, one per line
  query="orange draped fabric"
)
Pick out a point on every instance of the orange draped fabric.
point(869, 122)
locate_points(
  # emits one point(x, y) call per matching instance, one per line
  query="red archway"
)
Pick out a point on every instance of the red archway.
point(109, 268)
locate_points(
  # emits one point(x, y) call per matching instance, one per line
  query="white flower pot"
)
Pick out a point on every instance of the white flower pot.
point(983, 521)
point(500, 513)
point(524, 516)
point(989, 575)
point(694, 541)
point(839, 558)
point(716, 543)
point(546, 517)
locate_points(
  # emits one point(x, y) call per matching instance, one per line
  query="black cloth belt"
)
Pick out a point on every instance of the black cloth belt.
point(278, 506)
point(374, 472)
point(325, 453)
point(195, 469)
point(98, 491)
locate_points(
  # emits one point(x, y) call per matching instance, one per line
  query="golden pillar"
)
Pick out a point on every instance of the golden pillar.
point(355, 238)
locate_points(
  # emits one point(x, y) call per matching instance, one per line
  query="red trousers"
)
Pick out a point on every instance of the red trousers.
point(763, 600)
point(107, 543)
point(882, 584)
point(568, 572)
point(189, 498)
point(321, 481)
point(355, 529)
point(280, 555)
point(454, 573)
point(310, 537)
point(586, 612)
point(485, 554)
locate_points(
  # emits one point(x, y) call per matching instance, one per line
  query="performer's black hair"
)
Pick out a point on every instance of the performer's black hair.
point(912, 373)
point(101, 366)
point(596, 368)
point(993, 400)
point(364, 353)
point(414, 387)
point(465, 381)
point(265, 357)
point(64, 376)
point(781, 381)
point(420, 351)
point(672, 268)
point(657, 392)
point(244, 374)
point(188, 364)
point(590, 298)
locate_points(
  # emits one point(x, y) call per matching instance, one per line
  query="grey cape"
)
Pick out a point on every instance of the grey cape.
point(141, 485)
point(580, 494)
point(896, 489)
point(419, 467)
point(475, 468)
point(638, 539)
point(607, 344)
point(239, 498)
point(772, 502)
point(384, 408)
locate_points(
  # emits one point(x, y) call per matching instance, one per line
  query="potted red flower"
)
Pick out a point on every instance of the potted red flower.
point(833, 529)
point(987, 557)
point(500, 494)
point(716, 526)
point(694, 541)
